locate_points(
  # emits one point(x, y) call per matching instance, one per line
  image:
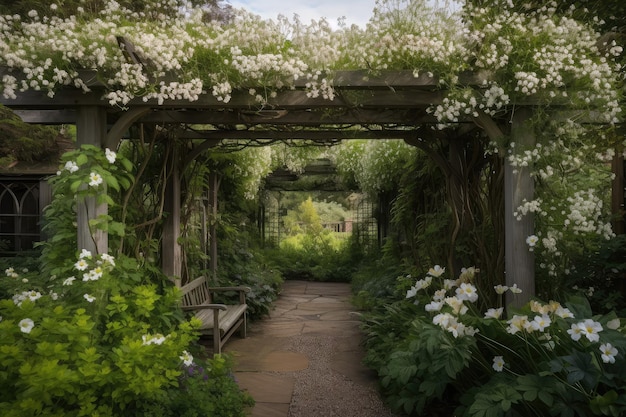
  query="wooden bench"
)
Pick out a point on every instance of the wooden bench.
point(218, 320)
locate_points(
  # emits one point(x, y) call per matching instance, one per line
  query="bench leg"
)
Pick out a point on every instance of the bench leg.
point(217, 345)
point(217, 334)
point(244, 330)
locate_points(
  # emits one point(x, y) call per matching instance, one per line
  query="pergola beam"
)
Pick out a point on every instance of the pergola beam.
point(316, 135)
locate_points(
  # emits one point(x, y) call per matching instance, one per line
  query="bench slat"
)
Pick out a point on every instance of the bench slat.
point(227, 318)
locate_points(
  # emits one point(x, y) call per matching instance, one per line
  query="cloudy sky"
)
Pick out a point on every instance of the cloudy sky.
point(355, 11)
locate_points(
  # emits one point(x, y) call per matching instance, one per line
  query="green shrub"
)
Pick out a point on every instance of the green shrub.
point(93, 335)
point(436, 352)
point(88, 347)
point(198, 383)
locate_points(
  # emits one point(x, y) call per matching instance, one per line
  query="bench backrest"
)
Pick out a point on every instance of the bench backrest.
point(196, 292)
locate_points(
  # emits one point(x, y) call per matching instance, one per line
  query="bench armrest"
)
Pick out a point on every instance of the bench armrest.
point(242, 291)
point(205, 306)
point(240, 288)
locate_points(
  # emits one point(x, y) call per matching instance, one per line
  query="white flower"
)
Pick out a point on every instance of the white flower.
point(457, 305)
point(95, 179)
point(494, 313)
point(34, 295)
point(69, 281)
point(81, 265)
point(563, 312)
point(71, 166)
point(108, 259)
point(26, 325)
point(434, 306)
point(575, 332)
point(517, 323)
point(436, 271)
point(442, 319)
point(84, 254)
point(591, 329)
point(467, 292)
point(500, 289)
point(613, 324)
point(9, 271)
point(110, 155)
point(515, 290)
point(156, 339)
point(89, 298)
point(186, 358)
point(531, 241)
point(93, 275)
point(498, 363)
point(608, 353)
point(411, 292)
point(439, 294)
point(541, 322)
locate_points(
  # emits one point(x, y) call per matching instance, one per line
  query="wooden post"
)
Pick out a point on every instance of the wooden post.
point(519, 186)
point(91, 129)
point(214, 185)
point(172, 257)
point(617, 195)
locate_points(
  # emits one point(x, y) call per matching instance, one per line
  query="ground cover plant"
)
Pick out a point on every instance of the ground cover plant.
point(436, 351)
point(95, 334)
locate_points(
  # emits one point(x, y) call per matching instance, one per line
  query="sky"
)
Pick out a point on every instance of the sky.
point(355, 11)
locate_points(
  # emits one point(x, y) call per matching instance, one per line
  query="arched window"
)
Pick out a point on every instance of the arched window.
point(19, 215)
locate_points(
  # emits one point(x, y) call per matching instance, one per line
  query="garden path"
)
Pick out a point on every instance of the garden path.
point(305, 360)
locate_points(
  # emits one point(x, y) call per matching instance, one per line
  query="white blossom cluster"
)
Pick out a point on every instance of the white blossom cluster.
point(253, 165)
point(528, 53)
point(585, 215)
point(527, 207)
point(540, 53)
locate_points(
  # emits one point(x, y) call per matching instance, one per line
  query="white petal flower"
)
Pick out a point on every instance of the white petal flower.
point(89, 298)
point(467, 292)
point(608, 353)
point(186, 358)
point(110, 155)
point(434, 306)
point(436, 271)
point(532, 240)
point(591, 329)
point(81, 265)
point(71, 166)
point(613, 324)
point(494, 313)
point(501, 289)
point(95, 179)
point(498, 363)
point(26, 325)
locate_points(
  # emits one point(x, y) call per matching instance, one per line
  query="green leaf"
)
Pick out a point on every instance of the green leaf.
point(580, 368)
point(117, 228)
point(75, 186)
point(112, 182)
point(81, 159)
point(128, 166)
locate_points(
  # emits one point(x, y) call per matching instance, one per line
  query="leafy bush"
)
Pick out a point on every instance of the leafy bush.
point(199, 382)
point(92, 334)
point(88, 346)
point(435, 351)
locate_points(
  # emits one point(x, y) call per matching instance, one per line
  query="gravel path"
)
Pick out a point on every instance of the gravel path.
point(321, 391)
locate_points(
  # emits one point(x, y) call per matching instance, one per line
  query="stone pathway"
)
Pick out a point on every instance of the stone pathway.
point(305, 359)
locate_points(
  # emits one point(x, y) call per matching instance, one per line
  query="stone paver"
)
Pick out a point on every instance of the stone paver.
point(284, 366)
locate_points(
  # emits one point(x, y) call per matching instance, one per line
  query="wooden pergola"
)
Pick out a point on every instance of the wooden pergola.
point(389, 105)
